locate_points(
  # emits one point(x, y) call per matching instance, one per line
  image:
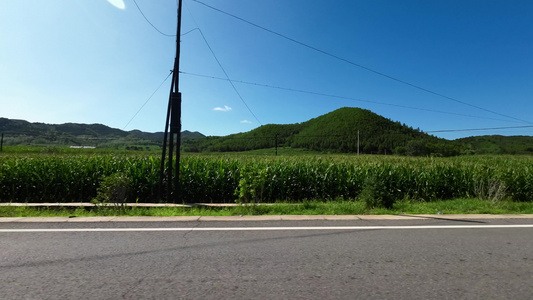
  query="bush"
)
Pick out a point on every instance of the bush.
point(379, 191)
point(491, 190)
point(115, 188)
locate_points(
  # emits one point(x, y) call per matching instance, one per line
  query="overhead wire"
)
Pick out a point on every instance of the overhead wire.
point(224, 71)
point(476, 129)
point(157, 89)
point(169, 35)
point(342, 97)
point(358, 65)
point(375, 102)
point(190, 31)
point(147, 20)
point(229, 80)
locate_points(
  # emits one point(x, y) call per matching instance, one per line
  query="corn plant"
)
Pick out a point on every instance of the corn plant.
point(70, 178)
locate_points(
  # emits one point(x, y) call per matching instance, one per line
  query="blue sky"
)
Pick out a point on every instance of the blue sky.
point(98, 61)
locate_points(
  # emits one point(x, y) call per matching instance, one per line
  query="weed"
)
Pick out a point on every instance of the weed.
point(115, 188)
point(378, 191)
point(492, 190)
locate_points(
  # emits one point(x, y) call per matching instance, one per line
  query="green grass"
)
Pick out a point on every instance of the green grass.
point(464, 206)
point(456, 206)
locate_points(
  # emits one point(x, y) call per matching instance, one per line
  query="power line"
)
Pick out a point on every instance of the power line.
point(478, 129)
point(342, 97)
point(147, 100)
point(358, 65)
point(223, 70)
point(227, 78)
point(190, 31)
point(171, 35)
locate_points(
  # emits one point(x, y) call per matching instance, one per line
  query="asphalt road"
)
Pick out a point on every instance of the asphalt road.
point(343, 259)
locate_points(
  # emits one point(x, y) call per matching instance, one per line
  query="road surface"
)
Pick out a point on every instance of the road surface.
point(426, 258)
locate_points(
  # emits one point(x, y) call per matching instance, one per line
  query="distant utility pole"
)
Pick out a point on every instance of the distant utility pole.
point(173, 121)
point(357, 142)
point(276, 144)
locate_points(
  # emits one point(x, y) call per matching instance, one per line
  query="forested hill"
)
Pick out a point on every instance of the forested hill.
point(19, 132)
point(337, 131)
point(499, 144)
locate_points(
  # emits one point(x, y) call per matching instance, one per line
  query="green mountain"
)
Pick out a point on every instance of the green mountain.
point(20, 132)
point(498, 144)
point(338, 131)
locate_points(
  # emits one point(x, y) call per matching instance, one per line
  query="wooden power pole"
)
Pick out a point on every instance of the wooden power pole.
point(173, 121)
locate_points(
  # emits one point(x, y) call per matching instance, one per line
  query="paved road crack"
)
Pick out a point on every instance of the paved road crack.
point(186, 233)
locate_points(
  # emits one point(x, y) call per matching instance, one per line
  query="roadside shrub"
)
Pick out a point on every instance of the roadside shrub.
point(115, 188)
point(493, 190)
point(379, 190)
point(519, 181)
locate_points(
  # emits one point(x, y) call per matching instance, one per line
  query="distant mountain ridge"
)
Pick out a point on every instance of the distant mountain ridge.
point(24, 132)
point(345, 130)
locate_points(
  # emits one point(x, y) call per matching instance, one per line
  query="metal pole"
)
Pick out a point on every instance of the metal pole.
point(2, 143)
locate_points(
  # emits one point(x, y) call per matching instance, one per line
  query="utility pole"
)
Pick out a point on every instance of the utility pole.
point(357, 142)
point(173, 121)
point(276, 144)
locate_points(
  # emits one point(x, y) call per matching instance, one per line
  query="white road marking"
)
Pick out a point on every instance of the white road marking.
point(39, 230)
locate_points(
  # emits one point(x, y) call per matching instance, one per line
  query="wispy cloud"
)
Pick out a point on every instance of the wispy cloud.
point(225, 108)
point(246, 122)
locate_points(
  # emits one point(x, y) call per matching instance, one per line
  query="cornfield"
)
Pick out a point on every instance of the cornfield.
point(69, 178)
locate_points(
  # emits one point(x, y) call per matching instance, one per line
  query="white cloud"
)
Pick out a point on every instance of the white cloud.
point(246, 122)
point(118, 3)
point(225, 108)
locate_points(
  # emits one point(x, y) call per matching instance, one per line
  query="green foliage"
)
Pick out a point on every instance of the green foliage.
point(266, 136)
point(65, 178)
point(209, 179)
point(379, 190)
point(20, 132)
point(498, 144)
point(334, 207)
point(297, 180)
point(252, 179)
point(115, 188)
point(336, 132)
point(490, 189)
